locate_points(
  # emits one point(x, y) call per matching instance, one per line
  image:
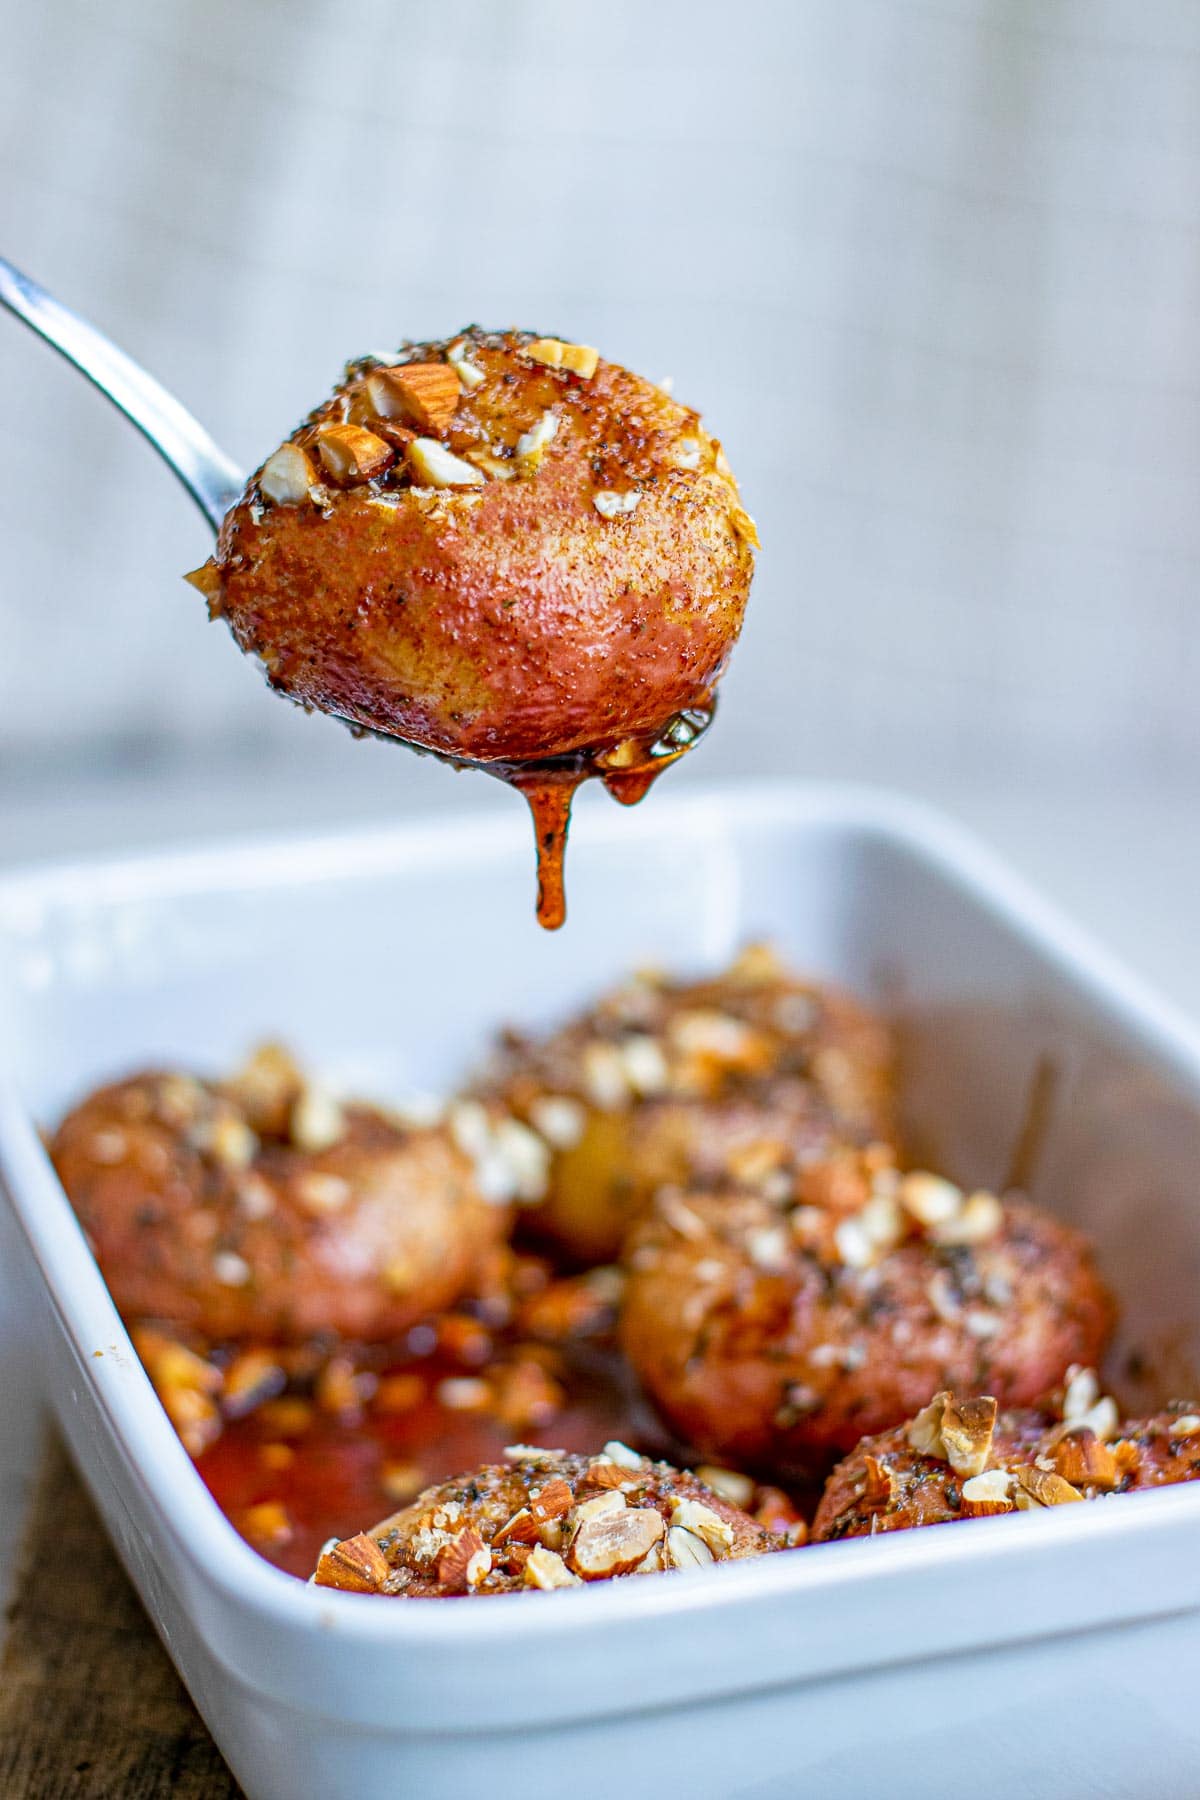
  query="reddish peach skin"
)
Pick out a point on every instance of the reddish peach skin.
point(188, 1237)
point(427, 1546)
point(786, 1367)
point(926, 1491)
point(817, 1069)
point(510, 621)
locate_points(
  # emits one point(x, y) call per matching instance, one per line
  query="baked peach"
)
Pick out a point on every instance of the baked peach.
point(499, 547)
point(961, 1460)
point(261, 1209)
point(778, 1327)
point(544, 1521)
point(667, 1081)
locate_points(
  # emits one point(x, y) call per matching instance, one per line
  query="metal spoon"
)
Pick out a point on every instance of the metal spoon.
point(210, 477)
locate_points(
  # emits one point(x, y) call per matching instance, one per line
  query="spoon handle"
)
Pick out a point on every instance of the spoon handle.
point(213, 481)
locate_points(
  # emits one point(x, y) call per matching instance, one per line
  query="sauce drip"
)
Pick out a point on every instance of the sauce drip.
point(549, 798)
point(628, 770)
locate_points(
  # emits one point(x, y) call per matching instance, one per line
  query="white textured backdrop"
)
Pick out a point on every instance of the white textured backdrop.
point(931, 268)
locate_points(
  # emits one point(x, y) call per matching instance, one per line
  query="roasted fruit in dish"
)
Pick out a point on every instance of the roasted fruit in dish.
point(666, 1081)
point(778, 1324)
point(542, 1521)
point(498, 546)
point(264, 1209)
point(964, 1459)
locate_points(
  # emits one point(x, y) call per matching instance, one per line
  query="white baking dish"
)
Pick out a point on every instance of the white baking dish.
point(1056, 1651)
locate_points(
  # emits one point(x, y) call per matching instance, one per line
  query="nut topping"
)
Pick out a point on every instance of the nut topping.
point(617, 1452)
point(317, 1120)
point(522, 1528)
point(421, 394)
point(435, 466)
point(879, 1487)
point(286, 477)
point(468, 372)
point(967, 1434)
point(465, 1560)
point(980, 1218)
point(929, 1198)
point(531, 445)
point(685, 1550)
point(355, 1564)
point(577, 359)
point(613, 1542)
point(552, 1500)
point(1084, 1461)
point(704, 1523)
point(990, 1492)
point(730, 1484)
point(351, 454)
point(1040, 1487)
point(611, 505)
point(546, 1569)
point(957, 1433)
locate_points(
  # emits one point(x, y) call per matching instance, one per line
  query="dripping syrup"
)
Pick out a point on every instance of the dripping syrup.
point(628, 769)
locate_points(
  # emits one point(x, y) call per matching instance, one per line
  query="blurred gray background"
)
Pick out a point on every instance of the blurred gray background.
point(930, 267)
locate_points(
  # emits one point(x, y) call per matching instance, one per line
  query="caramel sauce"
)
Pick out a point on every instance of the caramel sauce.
point(342, 1473)
point(628, 770)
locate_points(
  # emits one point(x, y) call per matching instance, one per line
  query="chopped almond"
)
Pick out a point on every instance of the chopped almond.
point(356, 1564)
point(1039, 1487)
point(578, 359)
point(460, 1565)
point(351, 454)
point(287, 476)
point(435, 466)
point(967, 1429)
point(545, 1569)
point(1083, 1460)
point(614, 1543)
point(421, 394)
point(990, 1492)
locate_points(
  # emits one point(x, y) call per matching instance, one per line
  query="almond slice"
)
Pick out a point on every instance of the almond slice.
point(468, 372)
point(531, 445)
point(966, 1430)
point(435, 466)
point(1083, 1460)
point(989, 1492)
point(546, 1569)
point(522, 1528)
point(924, 1433)
point(879, 1487)
point(464, 1561)
point(351, 454)
point(578, 359)
point(355, 1564)
point(422, 394)
point(930, 1198)
point(730, 1484)
point(979, 1219)
point(615, 1542)
point(687, 1551)
point(287, 476)
point(704, 1523)
point(1039, 1487)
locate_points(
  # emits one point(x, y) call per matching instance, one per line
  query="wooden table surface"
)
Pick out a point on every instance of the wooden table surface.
point(90, 1705)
